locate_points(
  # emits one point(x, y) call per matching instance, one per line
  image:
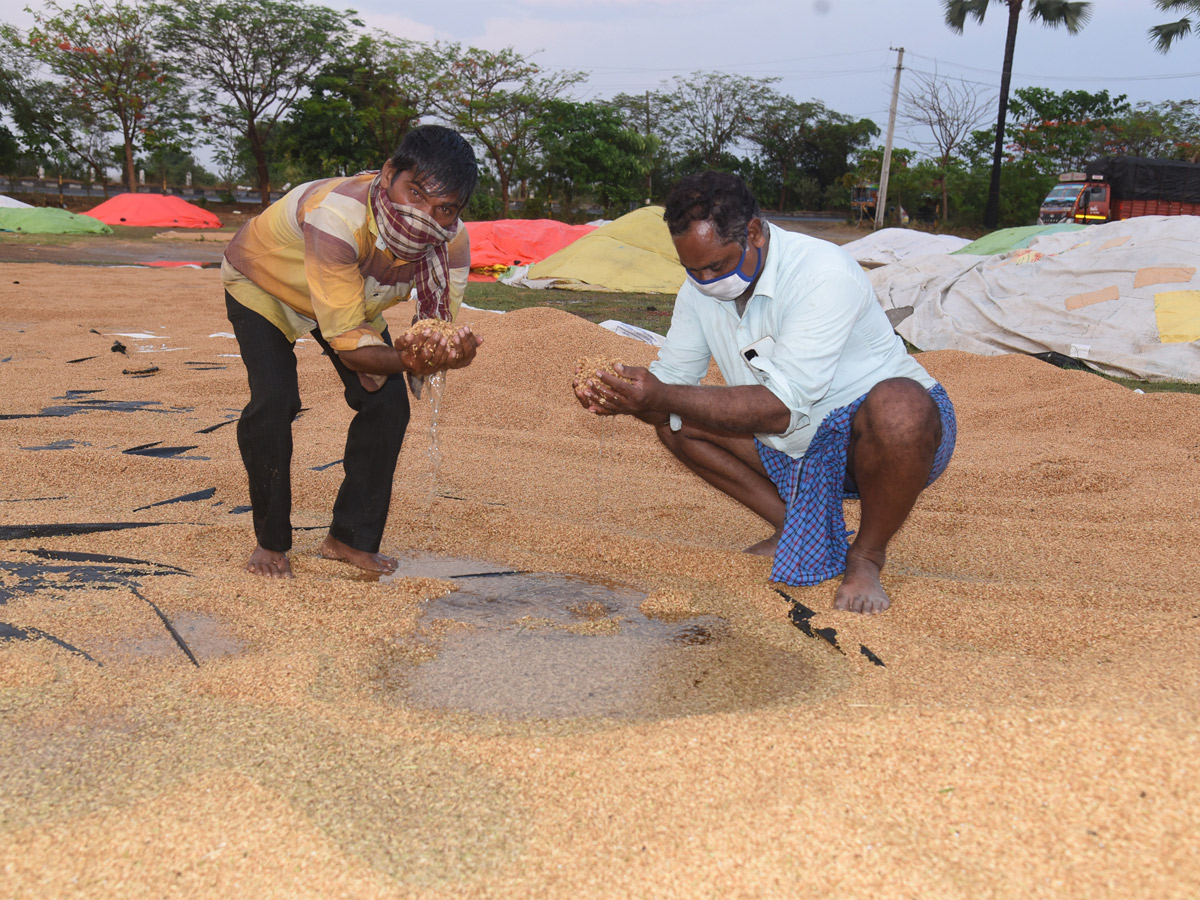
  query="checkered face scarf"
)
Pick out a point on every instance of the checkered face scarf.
point(413, 236)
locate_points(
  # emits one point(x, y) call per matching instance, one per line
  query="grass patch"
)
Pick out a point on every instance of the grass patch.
point(649, 311)
point(1153, 387)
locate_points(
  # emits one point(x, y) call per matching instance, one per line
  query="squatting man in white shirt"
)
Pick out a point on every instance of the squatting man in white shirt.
point(821, 401)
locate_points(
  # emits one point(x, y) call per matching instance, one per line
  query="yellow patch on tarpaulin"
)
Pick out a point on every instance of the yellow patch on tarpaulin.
point(1078, 301)
point(1178, 316)
point(1115, 242)
point(1163, 275)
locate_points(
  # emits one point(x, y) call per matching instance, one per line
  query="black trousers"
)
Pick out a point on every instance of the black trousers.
point(264, 434)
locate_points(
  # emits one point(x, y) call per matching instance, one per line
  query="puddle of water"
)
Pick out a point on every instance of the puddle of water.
point(206, 636)
point(521, 645)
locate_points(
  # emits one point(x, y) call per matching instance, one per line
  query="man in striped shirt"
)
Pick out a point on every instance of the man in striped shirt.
point(327, 259)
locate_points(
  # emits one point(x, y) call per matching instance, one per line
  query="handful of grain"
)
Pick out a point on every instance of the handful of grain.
point(437, 326)
point(587, 366)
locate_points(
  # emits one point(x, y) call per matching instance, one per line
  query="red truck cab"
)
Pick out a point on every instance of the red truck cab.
point(1092, 205)
point(1125, 187)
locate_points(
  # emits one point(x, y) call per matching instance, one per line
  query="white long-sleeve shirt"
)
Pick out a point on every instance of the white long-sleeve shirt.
point(832, 340)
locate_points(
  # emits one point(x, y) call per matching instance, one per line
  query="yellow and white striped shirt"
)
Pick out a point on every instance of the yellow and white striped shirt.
point(314, 259)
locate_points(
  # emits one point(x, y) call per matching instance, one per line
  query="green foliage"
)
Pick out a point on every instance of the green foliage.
point(804, 149)
point(1163, 36)
point(705, 113)
point(10, 150)
point(170, 166)
point(107, 78)
point(1060, 132)
point(252, 60)
point(500, 100)
point(361, 105)
point(1070, 14)
point(903, 186)
point(1168, 130)
point(646, 114)
point(485, 202)
point(587, 150)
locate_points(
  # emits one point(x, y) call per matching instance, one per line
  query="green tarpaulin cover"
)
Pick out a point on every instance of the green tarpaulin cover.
point(1013, 238)
point(48, 220)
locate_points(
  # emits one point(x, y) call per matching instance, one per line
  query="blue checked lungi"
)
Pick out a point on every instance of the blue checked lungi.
point(813, 544)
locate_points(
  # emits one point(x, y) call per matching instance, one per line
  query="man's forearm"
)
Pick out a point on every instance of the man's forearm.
point(376, 360)
point(747, 409)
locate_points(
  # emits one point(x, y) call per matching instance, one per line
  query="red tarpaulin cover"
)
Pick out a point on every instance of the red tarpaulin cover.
point(154, 210)
point(507, 242)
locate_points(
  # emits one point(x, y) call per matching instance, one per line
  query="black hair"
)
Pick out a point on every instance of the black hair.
point(441, 161)
point(716, 197)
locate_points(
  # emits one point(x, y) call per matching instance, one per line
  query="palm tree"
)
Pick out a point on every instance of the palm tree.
point(1164, 35)
point(1071, 13)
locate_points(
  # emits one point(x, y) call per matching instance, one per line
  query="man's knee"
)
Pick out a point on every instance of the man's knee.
point(899, 409)
point(388, 405)
point(668, 438)
point(272, 408)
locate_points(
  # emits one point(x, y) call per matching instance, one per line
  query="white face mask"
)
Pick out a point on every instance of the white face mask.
point(732, 284)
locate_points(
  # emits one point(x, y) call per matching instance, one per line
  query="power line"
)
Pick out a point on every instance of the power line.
point(1089, 78)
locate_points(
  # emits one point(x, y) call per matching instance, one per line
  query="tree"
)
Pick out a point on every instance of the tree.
point(804, 146)
point(51, 123)
point(1061, 132)
point(782, 132)
point(1071, 14)
point(252, 59)
point(1168, 130)
point(647, 114)
point(170, 165)
point(951, 112)
point(499, 99)
point(108, 78)
point(708, 112)
point(1163, 36)
point(586, 147)
point(361, 105)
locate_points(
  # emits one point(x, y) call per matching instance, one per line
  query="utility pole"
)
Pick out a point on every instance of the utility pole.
point(881, 200)
point(649, 161)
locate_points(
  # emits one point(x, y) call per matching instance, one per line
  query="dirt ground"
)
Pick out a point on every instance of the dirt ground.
point(1032, 732)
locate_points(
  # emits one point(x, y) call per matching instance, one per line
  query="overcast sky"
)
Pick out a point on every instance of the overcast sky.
point(841, 52)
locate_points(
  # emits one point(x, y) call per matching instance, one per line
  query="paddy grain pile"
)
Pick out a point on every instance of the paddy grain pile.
point(1033, 731)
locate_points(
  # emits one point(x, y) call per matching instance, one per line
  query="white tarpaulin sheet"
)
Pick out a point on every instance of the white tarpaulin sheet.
point(1123, 297)
point(889, 245)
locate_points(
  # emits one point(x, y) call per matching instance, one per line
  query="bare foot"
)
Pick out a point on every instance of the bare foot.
point(861, 590)
point(269, 563)
point(766, 547)
point(332, 548)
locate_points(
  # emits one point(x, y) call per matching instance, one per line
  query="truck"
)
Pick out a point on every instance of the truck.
point(863, 197)
point(1123, 187)
point(1059, 204)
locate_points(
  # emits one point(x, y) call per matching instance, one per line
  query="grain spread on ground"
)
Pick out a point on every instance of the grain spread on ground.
point(1034, 732)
